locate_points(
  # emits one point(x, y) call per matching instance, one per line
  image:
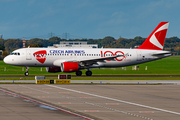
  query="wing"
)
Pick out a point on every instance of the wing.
point(89, 62)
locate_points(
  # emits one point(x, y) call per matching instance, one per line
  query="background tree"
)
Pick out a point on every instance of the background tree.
point(2, 47)
point(178, 52)
point(2, 41)
point(171, 44)
point(34, 45)
point(4, 54)
point(105, 42)
point(12, 44)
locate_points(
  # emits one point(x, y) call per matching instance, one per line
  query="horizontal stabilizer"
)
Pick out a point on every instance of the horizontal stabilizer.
point(161, 53)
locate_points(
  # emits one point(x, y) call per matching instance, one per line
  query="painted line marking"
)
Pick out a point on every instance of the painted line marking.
point(108, 98)
point(90, 103)
point(48, 105)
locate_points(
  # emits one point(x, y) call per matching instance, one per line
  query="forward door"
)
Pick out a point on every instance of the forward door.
point(28, 55)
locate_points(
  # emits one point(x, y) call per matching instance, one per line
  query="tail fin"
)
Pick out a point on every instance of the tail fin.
point(156, 39)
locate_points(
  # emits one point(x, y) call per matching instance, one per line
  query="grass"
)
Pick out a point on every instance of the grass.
point(166, 66)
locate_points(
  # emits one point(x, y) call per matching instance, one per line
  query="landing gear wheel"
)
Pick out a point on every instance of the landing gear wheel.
point(88, 73)
point(78, 73)
point(26, 73)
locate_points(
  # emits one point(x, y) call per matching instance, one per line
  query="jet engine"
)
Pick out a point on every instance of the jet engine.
point(53, 69)
point(69, 67)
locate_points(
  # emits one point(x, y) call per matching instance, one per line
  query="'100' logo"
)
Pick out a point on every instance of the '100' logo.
point(116, 53)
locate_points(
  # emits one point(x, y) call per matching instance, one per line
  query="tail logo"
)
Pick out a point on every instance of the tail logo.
point(40, 56)
point(155, 39)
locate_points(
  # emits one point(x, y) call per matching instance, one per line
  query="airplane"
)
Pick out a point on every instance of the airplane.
point(76, 59)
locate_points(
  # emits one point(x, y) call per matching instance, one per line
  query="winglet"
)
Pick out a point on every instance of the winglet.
point(156, 39)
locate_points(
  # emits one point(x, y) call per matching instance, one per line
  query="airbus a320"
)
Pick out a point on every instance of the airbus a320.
point(76, 59)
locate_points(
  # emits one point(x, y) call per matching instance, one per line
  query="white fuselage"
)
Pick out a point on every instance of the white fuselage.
point(53, 57)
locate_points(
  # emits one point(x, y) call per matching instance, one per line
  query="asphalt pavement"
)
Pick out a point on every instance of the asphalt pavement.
point(96, 76)
point(103, 102)
point(147, 82)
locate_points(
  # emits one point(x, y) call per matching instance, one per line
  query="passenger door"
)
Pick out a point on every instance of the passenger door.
point(28, 55)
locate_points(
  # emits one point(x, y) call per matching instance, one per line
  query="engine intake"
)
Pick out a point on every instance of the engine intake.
point(69, 67)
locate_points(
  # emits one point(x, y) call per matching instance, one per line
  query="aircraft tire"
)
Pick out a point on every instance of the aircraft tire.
point(26, 73)
point(88, 73)
point(78, 73)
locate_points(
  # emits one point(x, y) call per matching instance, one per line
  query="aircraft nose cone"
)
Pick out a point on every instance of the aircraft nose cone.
point(6, 60)
point(12, 60)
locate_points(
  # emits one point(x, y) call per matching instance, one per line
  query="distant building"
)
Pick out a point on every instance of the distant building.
point(73, 44)
point(1, 36)
point(174, 53)
point(136, 46)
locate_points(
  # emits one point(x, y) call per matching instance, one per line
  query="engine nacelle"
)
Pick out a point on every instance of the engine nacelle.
point(53, 69)
point(69, 67)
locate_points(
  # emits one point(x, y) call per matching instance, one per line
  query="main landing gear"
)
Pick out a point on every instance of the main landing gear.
point(78, 73)
point(26, 73)
point(88, 73)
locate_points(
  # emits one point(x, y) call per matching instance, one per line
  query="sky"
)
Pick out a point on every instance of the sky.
point(94, 19)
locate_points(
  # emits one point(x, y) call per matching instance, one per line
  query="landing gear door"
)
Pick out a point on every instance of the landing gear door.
point(28, 55)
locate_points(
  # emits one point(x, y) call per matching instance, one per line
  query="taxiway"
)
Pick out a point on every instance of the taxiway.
point(108, 102)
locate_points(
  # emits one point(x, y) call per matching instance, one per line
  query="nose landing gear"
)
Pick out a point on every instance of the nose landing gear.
point(26, 73)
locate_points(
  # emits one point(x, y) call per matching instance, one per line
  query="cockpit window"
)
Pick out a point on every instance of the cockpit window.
point(15, 53)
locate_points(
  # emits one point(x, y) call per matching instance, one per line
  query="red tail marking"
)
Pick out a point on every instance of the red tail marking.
point(161, 36)
point(156, 39)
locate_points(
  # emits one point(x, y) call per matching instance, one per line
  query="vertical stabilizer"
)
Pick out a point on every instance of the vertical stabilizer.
point(156, 39)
